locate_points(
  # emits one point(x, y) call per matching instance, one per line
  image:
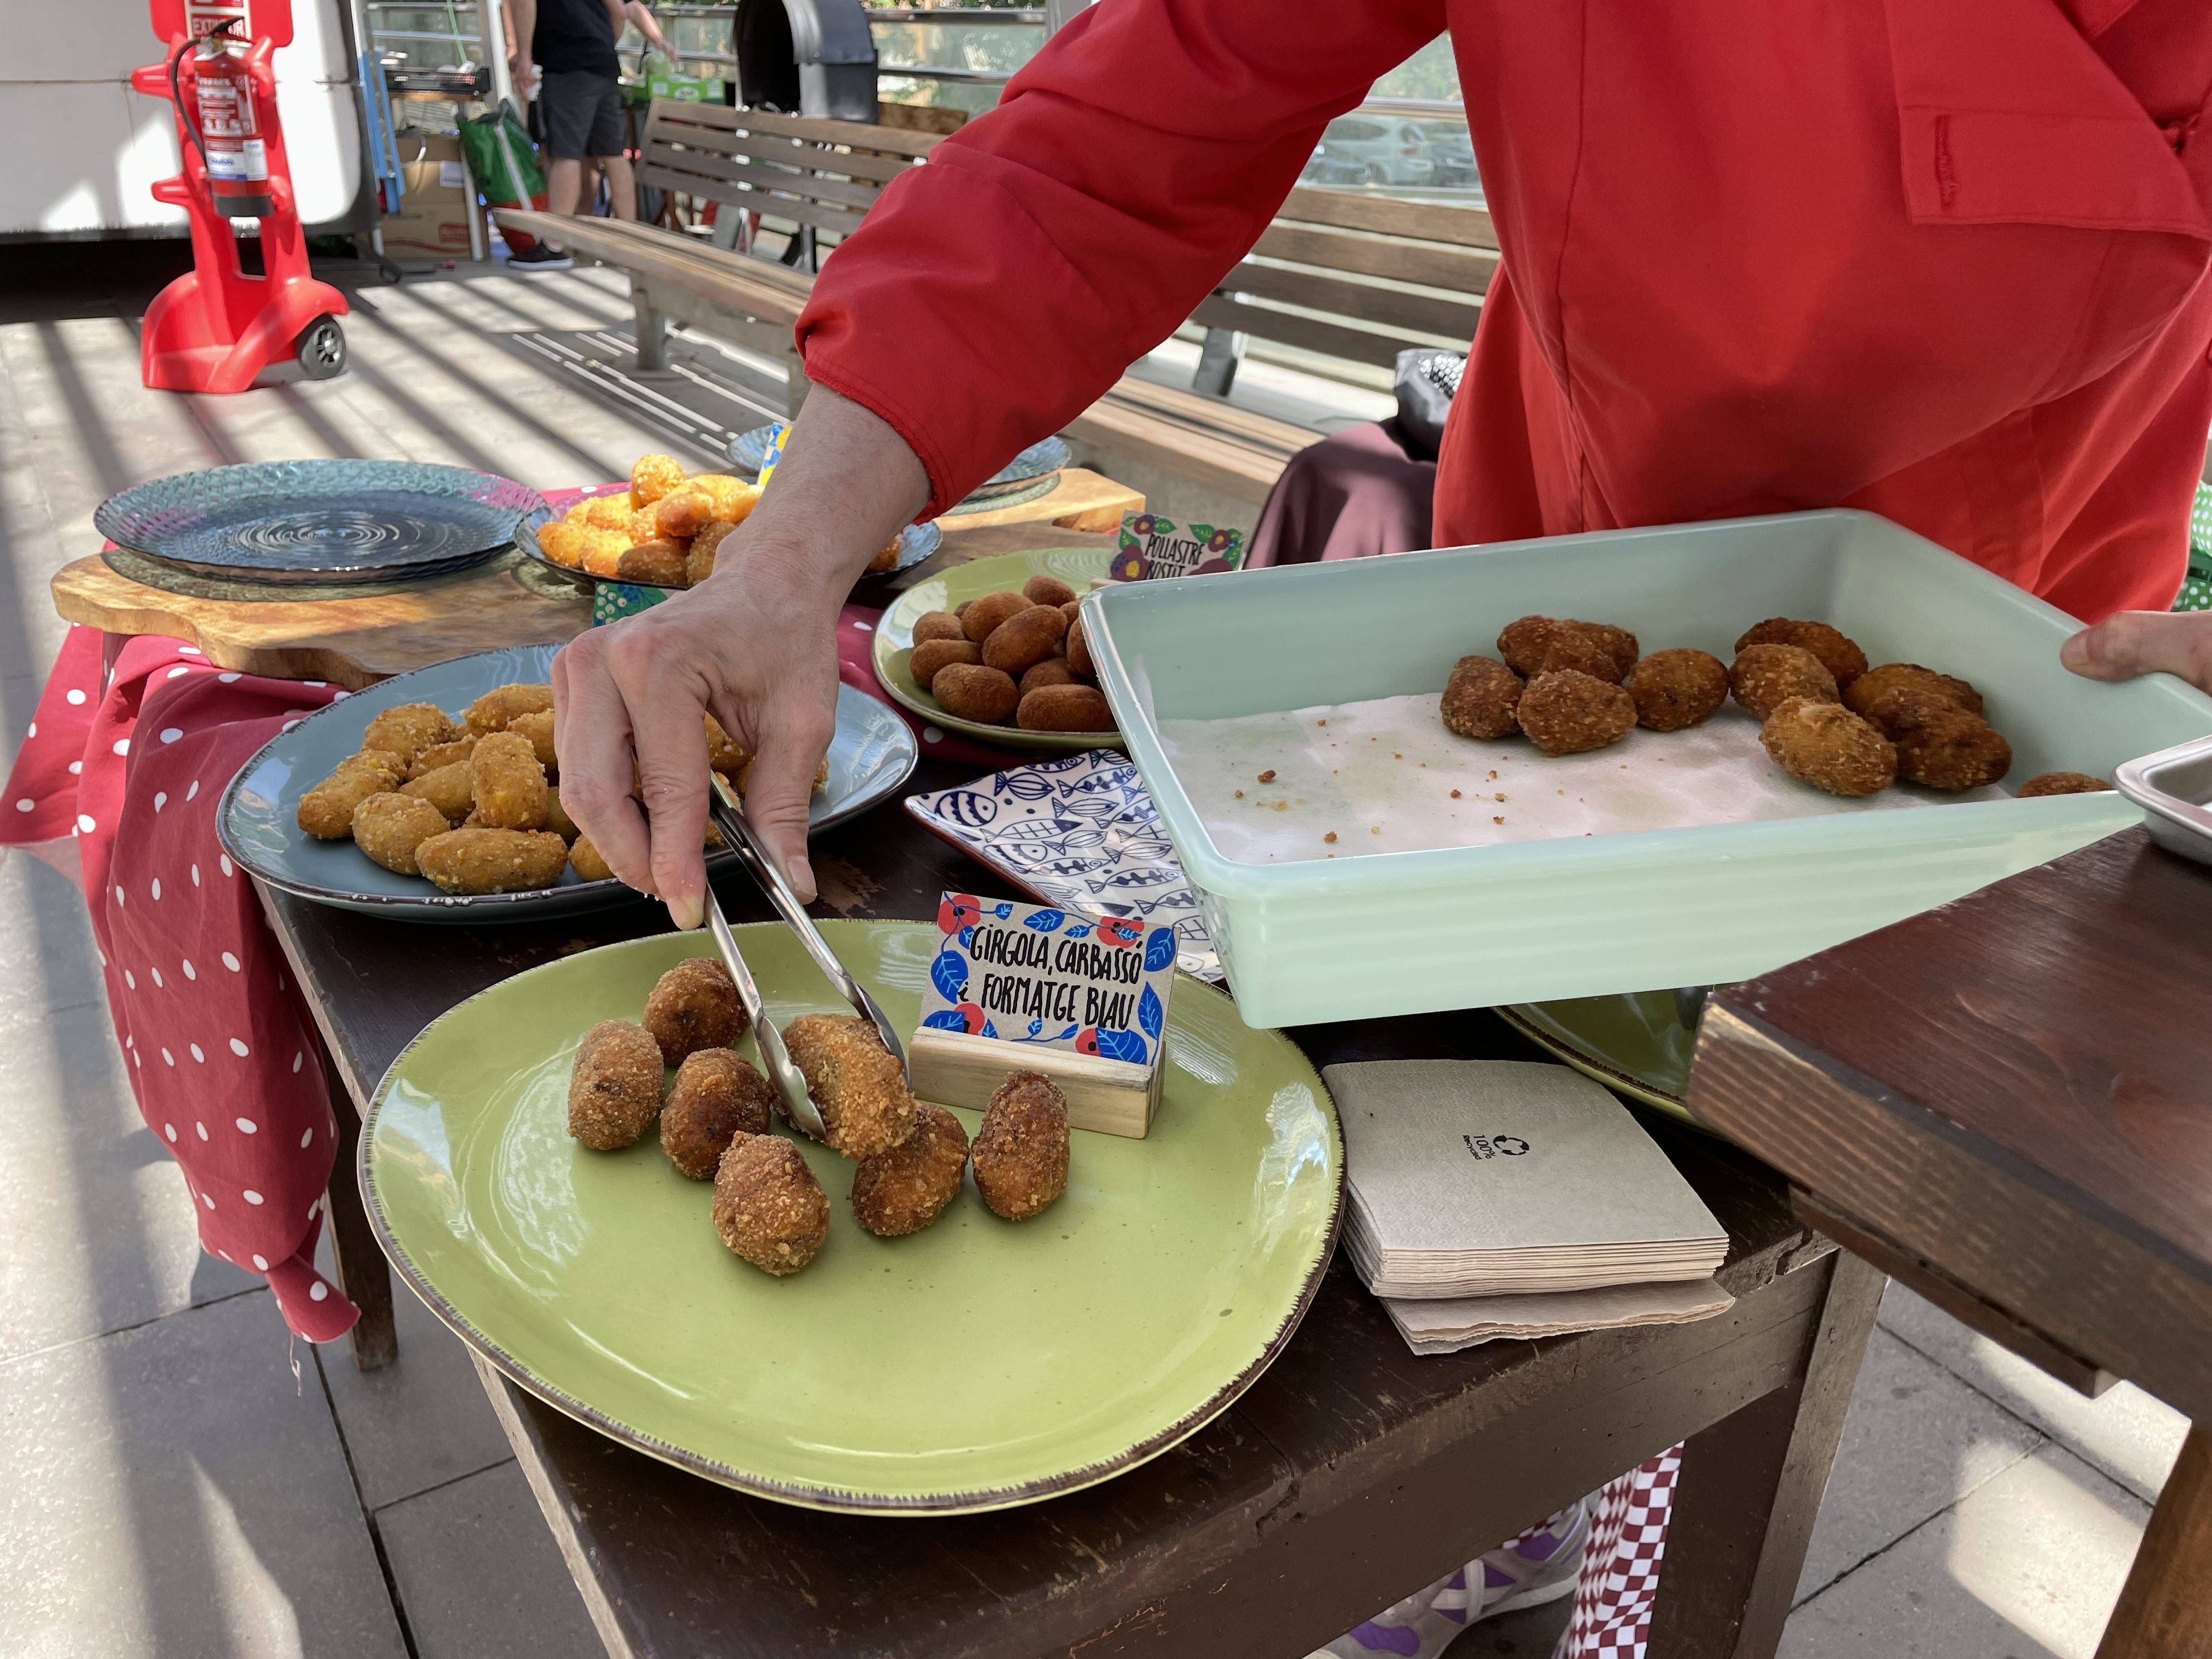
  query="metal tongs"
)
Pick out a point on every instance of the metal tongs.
point(728, 816)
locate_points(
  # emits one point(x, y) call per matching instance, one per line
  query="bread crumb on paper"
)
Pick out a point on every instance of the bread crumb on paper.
point(1330, 837)
point(1267, 776)
point(1240, 795)
point(1498, 820)
point(1454, 794)
point(1282, 807)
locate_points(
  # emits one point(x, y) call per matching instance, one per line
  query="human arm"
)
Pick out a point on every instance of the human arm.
point(521, 31)
point(755, 644)
point(2136, 642)
point(638, 12)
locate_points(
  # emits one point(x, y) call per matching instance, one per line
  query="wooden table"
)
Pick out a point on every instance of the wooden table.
point(2006, 1103)
point(1349, 1474)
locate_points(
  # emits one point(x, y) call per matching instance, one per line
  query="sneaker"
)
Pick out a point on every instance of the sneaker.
point(538, 256)
point(1539, 1566)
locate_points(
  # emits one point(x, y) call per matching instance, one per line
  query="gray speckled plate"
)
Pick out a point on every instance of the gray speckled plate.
point(872, 754)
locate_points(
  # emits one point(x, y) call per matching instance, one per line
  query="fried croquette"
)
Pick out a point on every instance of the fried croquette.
point(477, 861)
point(1069, 707)
point(538, 726)
point(933, 655)
point(938, 625)
point(1047, 590)
point(970, 691)
point(1052, 670)
point(441, 754)
point(603, 551)
point(451, 789)
point(509, 783)
point(1875, 683)
point(724, 754)
point(699, 562)
point(1530, 645)
point(730, 498)
point(717, 1096)
point(1567, 711)
point(556, 816)
point(408, 730)
point(1765, 677)
point(584, 859)
point(1838, 652)
point(887, 558)
point(679, 517)
point(1939, 745)
point(610, 511)
point(1024, 639)
point(768, 1207)
point(562, 542)
point(1079, 662)
point(657, 564)
point(693, 1006)
point(1020, 1152)
point(389, 827)
point(1821, 742)
point(2061, 783)
point(492, 711)
point(652, 477)
point(1482, 699)
point(1620, 644)
point(327, 810)
point(903, 1190)
point(856, 1084)
point(983, 617)
point(614, 1086)
point(1677, 689)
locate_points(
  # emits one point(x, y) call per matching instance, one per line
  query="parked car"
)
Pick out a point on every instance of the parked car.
point(1372, 149)
point(1452, 151)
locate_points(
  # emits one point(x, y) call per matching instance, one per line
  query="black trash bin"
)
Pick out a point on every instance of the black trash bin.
point(806, 58)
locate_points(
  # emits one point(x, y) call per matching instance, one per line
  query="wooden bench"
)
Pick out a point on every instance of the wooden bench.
point(1344, 276)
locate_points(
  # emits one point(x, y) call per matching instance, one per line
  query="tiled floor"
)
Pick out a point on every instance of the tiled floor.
point(175, 1486)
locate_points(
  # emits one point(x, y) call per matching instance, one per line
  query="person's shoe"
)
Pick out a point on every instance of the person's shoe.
point(539, 257)
point(1539, 1566)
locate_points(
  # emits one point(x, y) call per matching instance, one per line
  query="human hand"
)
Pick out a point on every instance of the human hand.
point(2136, 642)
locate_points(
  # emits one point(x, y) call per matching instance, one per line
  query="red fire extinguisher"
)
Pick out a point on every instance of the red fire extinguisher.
point(222, 123)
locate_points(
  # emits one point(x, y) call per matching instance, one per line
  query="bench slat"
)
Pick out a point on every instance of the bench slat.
point(663, 257)
point(1428, 222)
point(1307, 333)
point(1459, 270)
point(1126, 420)
point(824, 215)
point(702, 168)
point(858, 135)
point(1203, 413)
point(1361, 301)
point(662, 132)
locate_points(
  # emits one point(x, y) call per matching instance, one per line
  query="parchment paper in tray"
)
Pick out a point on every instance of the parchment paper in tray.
point(1379, 776)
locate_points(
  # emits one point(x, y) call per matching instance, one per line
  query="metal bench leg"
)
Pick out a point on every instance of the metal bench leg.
point(652, 329)
point(1218, 360)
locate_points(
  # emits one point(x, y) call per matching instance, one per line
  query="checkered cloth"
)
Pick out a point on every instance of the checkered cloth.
point(1620, 1574)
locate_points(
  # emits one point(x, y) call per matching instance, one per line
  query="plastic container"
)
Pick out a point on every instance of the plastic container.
point(1410, 932)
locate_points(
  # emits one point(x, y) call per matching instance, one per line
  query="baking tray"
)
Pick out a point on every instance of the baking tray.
point(1410, 932)
point(2174, 788)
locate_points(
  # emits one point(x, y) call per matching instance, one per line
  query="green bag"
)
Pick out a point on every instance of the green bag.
point(501, 159)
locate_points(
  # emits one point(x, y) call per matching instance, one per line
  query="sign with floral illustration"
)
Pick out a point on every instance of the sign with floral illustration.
point(1058, 979)
point(1153, 547)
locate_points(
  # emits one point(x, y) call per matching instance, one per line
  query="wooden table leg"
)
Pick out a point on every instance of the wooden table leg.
point(1751, 1486)
point(363, 1273)
point(2165, 1607)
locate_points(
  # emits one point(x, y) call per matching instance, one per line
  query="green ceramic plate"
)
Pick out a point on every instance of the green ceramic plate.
point(974, 1366)
point(1635, 1043)
point(1078, 567)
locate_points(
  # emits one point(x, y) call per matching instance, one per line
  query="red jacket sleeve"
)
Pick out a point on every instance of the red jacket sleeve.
point(994, 292)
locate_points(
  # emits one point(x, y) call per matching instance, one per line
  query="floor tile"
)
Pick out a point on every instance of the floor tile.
point(480, 1577)
point(2131, 1436)
point(2028, 1566)
point(51, 961)
point(174, 1490)
point(1917, 1440)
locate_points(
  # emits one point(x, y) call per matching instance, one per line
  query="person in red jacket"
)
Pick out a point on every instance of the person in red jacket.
point(1943, 262)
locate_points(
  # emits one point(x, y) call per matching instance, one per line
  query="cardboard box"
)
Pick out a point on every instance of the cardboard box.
point(434, 212)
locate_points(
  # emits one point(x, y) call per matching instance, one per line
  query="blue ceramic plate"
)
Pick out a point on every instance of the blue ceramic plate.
point(322, 520)
point(872, 754)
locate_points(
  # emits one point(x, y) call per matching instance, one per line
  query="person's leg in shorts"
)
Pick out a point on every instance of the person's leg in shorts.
point(608, 144)
point(582, 116)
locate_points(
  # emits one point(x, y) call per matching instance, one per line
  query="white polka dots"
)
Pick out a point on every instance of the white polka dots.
point(118, 896)
point(227, 679)
point(85, 824)
point(34, 731)
point(130, 983)
point(26, 805)
point(196, 875)
point(230, 962)
point(167, 1058)
point(246, 1125)
point(122, 745)
point(194, 790)
point(288, 724)
point(222, 863)
point(190, 972)
point(74, 697)
point(188, 651)
point(174, 672)
point(198, 1053)
point(201, 1130)
point(933, 734)
point(863, 627)
point(306, 1141)
point(156, 973)
point(335, 695)
point(207, 1200)
point(318, 685)
point(296, 1059)
point(160, 798)
point(251, 1196)
point(260, 1263)
point(171, 734)
point(138, 1059)
point(155, 890)
point(317, 1291)
point(239, 1048)
point(76, 769)
point(170, 1130)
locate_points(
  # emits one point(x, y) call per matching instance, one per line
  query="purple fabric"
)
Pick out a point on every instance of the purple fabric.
point(1385, 1638)
point(1348, 496)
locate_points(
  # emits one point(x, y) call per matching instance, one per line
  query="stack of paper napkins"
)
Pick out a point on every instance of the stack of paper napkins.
point(1502, 1198)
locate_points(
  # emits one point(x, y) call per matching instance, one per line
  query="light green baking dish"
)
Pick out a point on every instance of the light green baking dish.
point(1406, 932)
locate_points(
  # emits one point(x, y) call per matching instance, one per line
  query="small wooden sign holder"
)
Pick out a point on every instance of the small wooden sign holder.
point(1112, 1097)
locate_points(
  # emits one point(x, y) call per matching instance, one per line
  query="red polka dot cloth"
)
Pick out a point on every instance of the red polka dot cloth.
point(220, 1051)
point(1621, 1575)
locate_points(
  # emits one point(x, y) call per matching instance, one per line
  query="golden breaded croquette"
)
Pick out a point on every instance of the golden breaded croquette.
point(717, 1096)
point(389, 827)
point(584, 859)
point(938, 625)
point(768, 1207)
point(652, 477)
point(1677, 689)
point(614, 1086)
point(1838, 652)
point(931, 655)
point(603, 551)
point(494, 710)
point(327, 810)
point(1069, 707)
point(903, 1190)
point(856, 1084)
point(509, 783)
point(656, 563)
point(1482, 699)
point(441, 754)
point(408, 729)
point(680, 517)
point(728, 497)
point(556, 816)
point(2061, 783)
point(451, 789)
point(970, 691)
point(1912, 676)
point(695, 1005)
point(1079, 662)
point(1052, 670)
point(1530, 645)
point(699, 562)
point(1567, 711)
point(610, 511)
point(1620, 644)
point(538, 726)
point(1025, 638)
point(981, 618)
point(1823, 743)
point(1765, 677)
point(1021, 1147)
point(724, 754)
point(476, 860)
point(1047, 590)
point(1939, 745)
point(562, 542)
